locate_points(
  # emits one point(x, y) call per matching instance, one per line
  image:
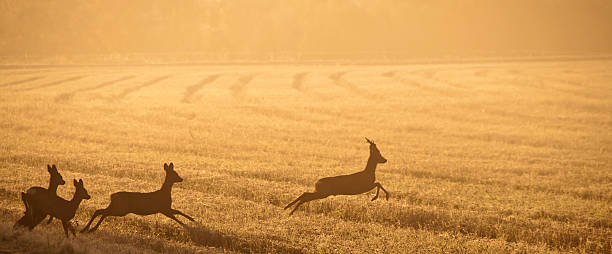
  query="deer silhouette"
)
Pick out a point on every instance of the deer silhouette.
point(32, 215)
point(352, 184)
point(58, 207)
point(123, 203)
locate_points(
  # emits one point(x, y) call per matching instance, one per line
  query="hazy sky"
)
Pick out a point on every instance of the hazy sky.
point(407, 27)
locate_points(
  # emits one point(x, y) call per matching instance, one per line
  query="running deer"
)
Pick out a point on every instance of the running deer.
point(33, 216)
point(352, 184)
point(60, 208)
point(123, 203)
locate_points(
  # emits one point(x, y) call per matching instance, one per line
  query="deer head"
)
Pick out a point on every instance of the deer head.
point(171, 175)
point(80, 192)
point(56, 178)
point(375, 153)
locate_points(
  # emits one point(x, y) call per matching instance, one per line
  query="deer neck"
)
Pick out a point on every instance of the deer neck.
point(52, 186)
point(371, 165)
point(75, 202)
point(167, 186)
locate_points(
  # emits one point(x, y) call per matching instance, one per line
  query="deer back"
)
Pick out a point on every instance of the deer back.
point(39, 196)
point(141, 203)
point(355, 183)
point(51, 204)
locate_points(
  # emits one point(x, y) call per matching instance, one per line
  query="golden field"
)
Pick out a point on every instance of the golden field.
point(482, 157)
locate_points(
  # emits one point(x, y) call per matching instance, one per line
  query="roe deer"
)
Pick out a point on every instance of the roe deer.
point(123, 203)
point(58, 207)
point(33, 216)
point(352, 184)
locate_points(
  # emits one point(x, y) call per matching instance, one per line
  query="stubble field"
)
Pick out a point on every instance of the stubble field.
point(491, 157)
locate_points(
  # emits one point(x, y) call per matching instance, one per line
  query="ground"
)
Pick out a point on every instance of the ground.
point(482, 157)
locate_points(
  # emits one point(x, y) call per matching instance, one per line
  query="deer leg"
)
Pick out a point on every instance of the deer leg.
point(71, 228)
point(182, 214)
point(377, 191)
point(19, 223)
point(29, 214)
point(170, 215)
point(25, 220)
point(32, 216)
point(37, 217)
point(97, 224)
point(96, 213)
point(64, 224)
point(296, 207)
point(381, 187)
point(307, 197)
point(295, 201)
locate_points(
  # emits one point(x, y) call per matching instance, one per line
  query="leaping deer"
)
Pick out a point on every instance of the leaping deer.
point(33, 216)
point(123, 203)
point(59, 207)
point(352, 184)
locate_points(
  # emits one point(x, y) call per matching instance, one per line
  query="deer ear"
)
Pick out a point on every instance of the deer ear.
point(166, 166)
point(81, 181)
point(49, 168)
point(54, 167)
point(171, 167)
point(75, 182)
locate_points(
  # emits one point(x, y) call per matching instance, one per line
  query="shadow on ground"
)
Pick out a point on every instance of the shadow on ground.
point(202, 235)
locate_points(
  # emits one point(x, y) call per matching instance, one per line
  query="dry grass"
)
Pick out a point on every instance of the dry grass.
point(490, 158)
